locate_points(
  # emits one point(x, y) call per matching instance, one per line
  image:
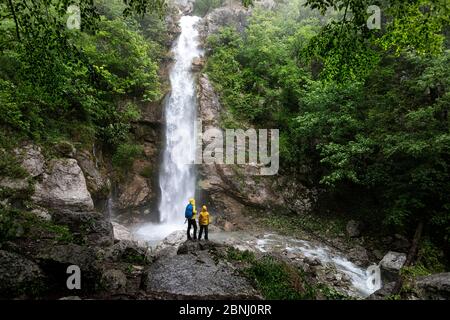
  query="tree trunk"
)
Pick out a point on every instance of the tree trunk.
point(13, 12)
point(411, 256)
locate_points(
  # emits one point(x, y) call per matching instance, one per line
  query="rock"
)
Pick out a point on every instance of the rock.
point(188, 247)
point(434, 287)
point(266, 4)
point(353, 228)
point(313, 262)
point(32, 159)
point(193, 246)
point(378, 254)
point(235, 17)
point(228, 226)
point(294, 195)
point(173, 278)
point(359, 255)
point(128, 251)
point(92, 227)
point(70, 254)
point(97, 184)
point(114, 281)
point(387, 240)
point(382, 293)
point(209, 105)
point(55, 261)
point(291, 256)
point(400, 243)
point(42, 214)
point(14, 184)
point(19, 275)
point(64, 187)
point(134, 193)
point(121, 232)
point(390, 266)
point(197, 64)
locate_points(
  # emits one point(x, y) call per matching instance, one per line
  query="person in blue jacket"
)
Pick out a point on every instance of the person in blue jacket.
point(191, 215)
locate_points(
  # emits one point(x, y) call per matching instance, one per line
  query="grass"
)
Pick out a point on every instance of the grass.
point(16, 223)
point(134, 258)
point(277, 280)
point(9, 165)
point(289, 224)
point(147, 172)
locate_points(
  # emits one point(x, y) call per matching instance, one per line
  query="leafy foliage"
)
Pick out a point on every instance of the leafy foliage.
point(357, 109)
point(349, 49)
point(60, 82)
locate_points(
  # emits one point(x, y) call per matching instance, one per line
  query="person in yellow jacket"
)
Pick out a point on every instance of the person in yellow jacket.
point(191, 215)
point(203, 221)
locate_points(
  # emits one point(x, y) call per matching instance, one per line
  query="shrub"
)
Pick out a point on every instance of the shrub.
point(126, 154)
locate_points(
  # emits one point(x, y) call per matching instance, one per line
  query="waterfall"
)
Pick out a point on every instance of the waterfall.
point(177, 175)
point(177, 178)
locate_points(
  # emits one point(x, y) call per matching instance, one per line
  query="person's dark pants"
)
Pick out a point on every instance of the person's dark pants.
point(193, 223)
point(201, 232)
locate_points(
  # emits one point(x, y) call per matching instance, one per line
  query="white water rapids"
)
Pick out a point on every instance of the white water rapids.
point(177, 176)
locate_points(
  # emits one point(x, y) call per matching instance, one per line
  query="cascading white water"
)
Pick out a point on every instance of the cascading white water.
point(177, 176)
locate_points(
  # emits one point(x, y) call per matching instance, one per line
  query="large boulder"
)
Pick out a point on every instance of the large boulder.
point(56, 259)
point(70, 254)
point(97, 183)
point(434, 287)
point(64, 187)
point(196, 275)
point(89, 227)
point(19, 276)
point(390, 266)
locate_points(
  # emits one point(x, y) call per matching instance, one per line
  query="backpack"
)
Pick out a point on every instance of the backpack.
point(189, 211)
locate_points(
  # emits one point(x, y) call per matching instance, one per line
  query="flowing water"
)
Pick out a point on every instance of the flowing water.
point(177, 176)
point(359, 285)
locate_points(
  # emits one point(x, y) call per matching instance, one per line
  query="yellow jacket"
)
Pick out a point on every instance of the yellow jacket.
point(194, 210)
point(203, 218)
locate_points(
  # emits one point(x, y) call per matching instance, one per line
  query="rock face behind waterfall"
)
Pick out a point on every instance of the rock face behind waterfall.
point(232, 189)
